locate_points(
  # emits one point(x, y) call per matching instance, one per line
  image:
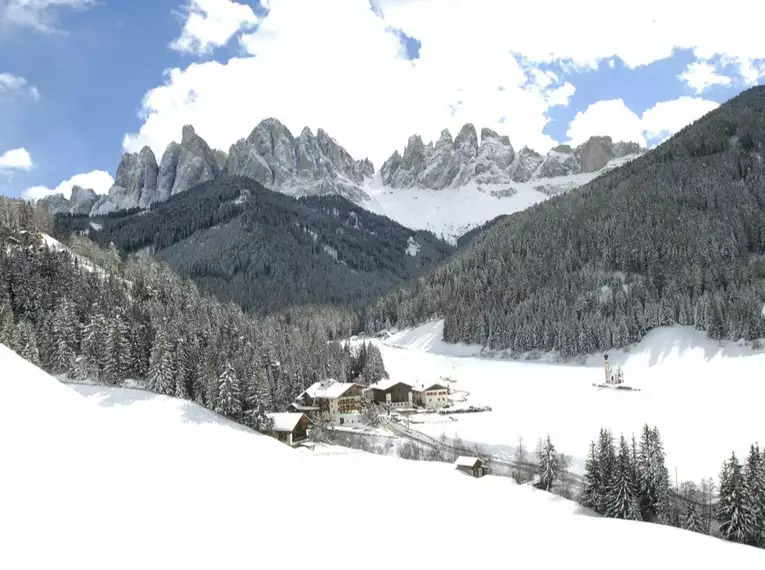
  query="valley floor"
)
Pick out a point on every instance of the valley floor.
point(117, 478)
point(705, 397)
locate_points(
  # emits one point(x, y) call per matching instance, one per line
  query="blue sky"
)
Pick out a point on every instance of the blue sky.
point(96, 62)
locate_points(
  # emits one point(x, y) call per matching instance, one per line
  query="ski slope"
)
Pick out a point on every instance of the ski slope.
point(115, 478)
point(705, 396)
point(451, 212)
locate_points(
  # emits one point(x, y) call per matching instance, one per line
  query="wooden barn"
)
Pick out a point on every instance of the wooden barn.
point(289, 427)
point(390, 392)
point(471, 465)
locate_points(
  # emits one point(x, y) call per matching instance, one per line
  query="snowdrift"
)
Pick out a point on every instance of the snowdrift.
point(112, 478)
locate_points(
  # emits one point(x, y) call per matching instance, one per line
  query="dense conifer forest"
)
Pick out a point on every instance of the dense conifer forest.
point(91, 314)
point(267, 251)
point(676, 236)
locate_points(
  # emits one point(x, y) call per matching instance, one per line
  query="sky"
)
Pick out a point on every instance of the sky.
point(82, 81)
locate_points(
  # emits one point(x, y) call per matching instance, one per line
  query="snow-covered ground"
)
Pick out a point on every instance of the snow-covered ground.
point(706, 397)
point(451, 212)
point(115, 478)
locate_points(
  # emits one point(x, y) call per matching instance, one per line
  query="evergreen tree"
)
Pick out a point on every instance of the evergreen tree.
point(690, 517)
point(28, 343)
point(734, 507)
point(118, 365)
point(6, 325)
point(754, 473)
point(592, 486)
point(606, 464)
point(229, 402)
point(653, 485)
point(257, 401)
point(64, 341)
point(622, 497)
point(94, 345)
point(549, 465)
point(182, 369)
point(160, 378)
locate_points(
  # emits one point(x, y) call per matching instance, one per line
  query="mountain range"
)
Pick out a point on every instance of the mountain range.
point(317, 165)
point(676, 236)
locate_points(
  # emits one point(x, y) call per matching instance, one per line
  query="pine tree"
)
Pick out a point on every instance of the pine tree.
point(754, 473)
point(160, 378)
point(182, 369)
point(229, 402)
point(622, 498)
point(6, 324)
point(119, 360)
point(690, 516)
point(549, 465)
point(28, 343)
point(606, 465)
point(64, 337)
point(734, 507)
point(653, 485)
point(591, 488)
point(258, 402)
point(94, 345)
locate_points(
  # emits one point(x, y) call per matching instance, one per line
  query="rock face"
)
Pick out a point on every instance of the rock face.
point(302, 166)
point(135, 184)
point(454, 163)
point(80, 202)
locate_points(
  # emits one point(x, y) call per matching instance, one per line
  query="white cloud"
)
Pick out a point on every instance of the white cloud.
point(14, 84)
point(701, 75)
point(615, 119)
point(98, 180)
point(211, 24)
point(339, 67)
point(16, 159)
point(37, 14)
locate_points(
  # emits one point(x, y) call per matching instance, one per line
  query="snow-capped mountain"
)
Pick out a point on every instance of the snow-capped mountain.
point(489, 175)
point(456, 163)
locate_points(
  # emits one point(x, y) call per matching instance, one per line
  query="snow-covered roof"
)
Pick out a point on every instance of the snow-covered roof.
point(424, 386)
point(285, 421)
point(465, 461)
point(329, 389)
point(302, 408)
point(387, 383)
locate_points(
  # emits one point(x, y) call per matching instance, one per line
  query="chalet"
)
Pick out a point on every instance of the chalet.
point(338, 402)
point(471, 465)
point(431, 396)
point(393, 393)
point(289, 427)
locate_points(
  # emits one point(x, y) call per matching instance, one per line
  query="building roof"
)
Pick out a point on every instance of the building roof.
point(386, 384)
point(465, 461)
point(285, 421)
point(302, 408)
point(424, 387)
point(329, 389)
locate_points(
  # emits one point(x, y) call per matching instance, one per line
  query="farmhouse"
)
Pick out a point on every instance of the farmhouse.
point(338, 402)
point(289, 427)
point(471, 465)
point(390, 392)
point(431, 396)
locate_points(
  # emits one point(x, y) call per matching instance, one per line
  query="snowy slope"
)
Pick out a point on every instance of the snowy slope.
point(705, 396)
point(113, 478)
point(451, 212)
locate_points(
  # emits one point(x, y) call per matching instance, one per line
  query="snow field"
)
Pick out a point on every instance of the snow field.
point(705, 397)
point(119, 478)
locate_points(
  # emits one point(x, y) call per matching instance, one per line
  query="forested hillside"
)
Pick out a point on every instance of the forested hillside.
point(267, 251)
point(676, 236)
point(113, 320)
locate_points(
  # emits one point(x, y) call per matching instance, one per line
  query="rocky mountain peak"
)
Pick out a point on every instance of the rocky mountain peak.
point(187, 133)
point(494, 161)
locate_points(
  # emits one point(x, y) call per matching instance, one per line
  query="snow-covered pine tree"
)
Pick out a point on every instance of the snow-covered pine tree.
point(733, 509)
point(64, 341)
point(94, 345)
point(591, 487)
point(6, 324)
point(754, 473)
point(606, 466)
point(257, 400)
point(118, 350)
point(28, 342)
point(653, 485)
point(691, 517)
point(622, 499)
point(229, 401)
point(549, 465)
point(160, 378)
point(181, 369)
